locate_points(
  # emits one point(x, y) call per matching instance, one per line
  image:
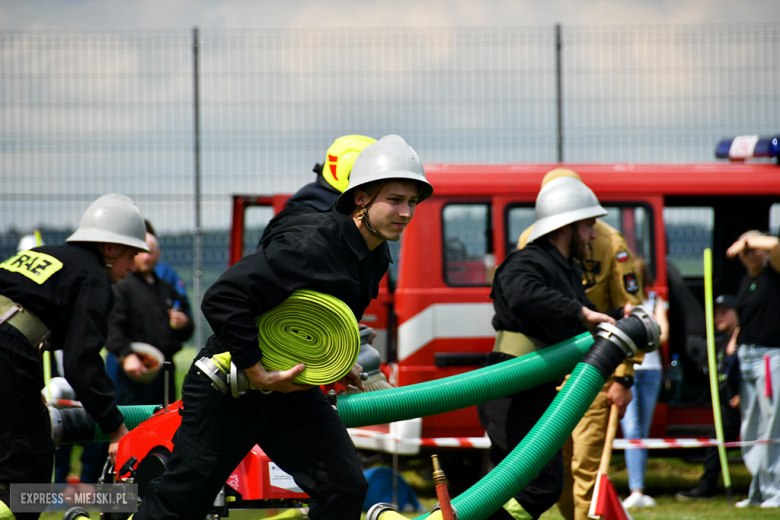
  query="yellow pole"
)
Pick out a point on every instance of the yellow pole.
point(713, 368)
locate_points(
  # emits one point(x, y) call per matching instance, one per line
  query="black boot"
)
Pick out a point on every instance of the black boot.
point(697, 493)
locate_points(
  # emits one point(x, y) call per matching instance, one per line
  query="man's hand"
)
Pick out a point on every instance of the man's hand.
point(734, 401)
point(620, 396)
point(114, 442)
point(276, 380)
point(133, 366)
point(627, 308)
point(352, 380)
point(178, 320)
point(591, 318)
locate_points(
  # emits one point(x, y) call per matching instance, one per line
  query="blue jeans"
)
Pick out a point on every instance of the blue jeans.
point(760, 420)
point(636, 423)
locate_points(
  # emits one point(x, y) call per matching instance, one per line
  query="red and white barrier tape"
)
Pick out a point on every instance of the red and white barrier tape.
point(655, 444)
point(444, 442)
point(619, 444)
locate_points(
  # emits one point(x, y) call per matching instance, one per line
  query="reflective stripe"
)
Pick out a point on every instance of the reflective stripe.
point(445, 320)
point(517, 512)
point(38, 267)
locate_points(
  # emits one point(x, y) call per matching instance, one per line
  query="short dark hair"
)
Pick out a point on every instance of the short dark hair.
point(149, 228)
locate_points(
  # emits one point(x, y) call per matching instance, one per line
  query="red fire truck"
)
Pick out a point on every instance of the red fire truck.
point(434, 315)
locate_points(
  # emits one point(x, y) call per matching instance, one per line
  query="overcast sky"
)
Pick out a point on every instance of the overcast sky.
point(281, 14)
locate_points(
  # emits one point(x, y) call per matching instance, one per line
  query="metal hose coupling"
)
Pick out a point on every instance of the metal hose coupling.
point(436, 508)
point(227, 378)
point(383, 511)
point(637, 332)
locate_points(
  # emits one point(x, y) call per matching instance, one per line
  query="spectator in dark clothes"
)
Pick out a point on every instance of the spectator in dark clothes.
point(147, 310)
point(727, 324)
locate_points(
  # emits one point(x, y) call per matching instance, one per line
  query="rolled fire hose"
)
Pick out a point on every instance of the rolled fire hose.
point(313, 328)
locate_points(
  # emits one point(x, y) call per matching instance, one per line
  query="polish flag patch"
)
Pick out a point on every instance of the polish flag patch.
point(622, 256)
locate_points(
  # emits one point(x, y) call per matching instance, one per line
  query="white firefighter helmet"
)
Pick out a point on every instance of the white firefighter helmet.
point(388, 158)
point(561, 202)
point(112, 219)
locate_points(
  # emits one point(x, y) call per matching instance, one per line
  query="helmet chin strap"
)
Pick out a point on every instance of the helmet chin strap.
point(362, 213)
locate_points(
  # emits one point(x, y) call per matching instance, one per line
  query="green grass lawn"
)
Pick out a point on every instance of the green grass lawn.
point(665, 476)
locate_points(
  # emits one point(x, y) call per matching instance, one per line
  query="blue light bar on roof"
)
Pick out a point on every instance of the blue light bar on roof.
point(747, 146)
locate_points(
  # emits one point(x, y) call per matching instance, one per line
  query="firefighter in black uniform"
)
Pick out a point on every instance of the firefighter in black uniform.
point(332, 179)
point(342, 253)
point(539, 301)
point(59, 297)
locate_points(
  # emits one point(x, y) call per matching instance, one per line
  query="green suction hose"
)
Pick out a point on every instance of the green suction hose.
point(134, 415)
point(434, 397)
point(536, 449)
point(462, 390)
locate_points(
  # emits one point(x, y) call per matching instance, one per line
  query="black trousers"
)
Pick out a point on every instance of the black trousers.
point(26, 447)
point(507, 421)
point(731, 424)
point(299, 431)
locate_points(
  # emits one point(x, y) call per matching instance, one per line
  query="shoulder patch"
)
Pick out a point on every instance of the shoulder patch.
point(38, 267)
point(630, 283)
point(622, 256)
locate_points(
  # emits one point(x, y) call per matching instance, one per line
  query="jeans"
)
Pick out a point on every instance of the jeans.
point(636, 423)
point(760, 420)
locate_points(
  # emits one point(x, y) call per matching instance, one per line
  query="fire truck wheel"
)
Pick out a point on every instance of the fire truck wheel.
point(151, 467)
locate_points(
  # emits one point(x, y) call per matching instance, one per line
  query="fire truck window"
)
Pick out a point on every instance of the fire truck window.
point(518, 220)
point(255, 220)
point(468, 253)
point(688, 234)
point(774, 219)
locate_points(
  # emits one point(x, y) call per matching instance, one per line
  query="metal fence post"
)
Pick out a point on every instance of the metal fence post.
point(559, 91)
point(198, 243)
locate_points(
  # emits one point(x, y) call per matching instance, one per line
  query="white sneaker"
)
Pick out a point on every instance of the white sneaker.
point(648, 501)
point(743, 503)
point(772, 503)
point(635, 499)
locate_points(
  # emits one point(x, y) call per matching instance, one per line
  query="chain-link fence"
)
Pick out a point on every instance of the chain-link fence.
point(85, 113)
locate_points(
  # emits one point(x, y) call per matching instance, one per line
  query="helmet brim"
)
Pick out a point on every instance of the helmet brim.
point(550, 224)
point(102, 235)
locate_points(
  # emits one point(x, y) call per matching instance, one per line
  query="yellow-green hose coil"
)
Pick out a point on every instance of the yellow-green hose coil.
point(313, 328)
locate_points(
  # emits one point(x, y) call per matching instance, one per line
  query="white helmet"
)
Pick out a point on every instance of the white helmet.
point(563, 201)
point(30, 241)
point(113, 219)
point(388, 158)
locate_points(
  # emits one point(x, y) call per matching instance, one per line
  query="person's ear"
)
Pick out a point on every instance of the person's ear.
point(361, 197)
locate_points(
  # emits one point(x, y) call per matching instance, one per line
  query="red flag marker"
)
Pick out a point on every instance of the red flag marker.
point(606, 503)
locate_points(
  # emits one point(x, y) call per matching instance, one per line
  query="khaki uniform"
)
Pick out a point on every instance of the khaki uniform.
point(611, 280)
